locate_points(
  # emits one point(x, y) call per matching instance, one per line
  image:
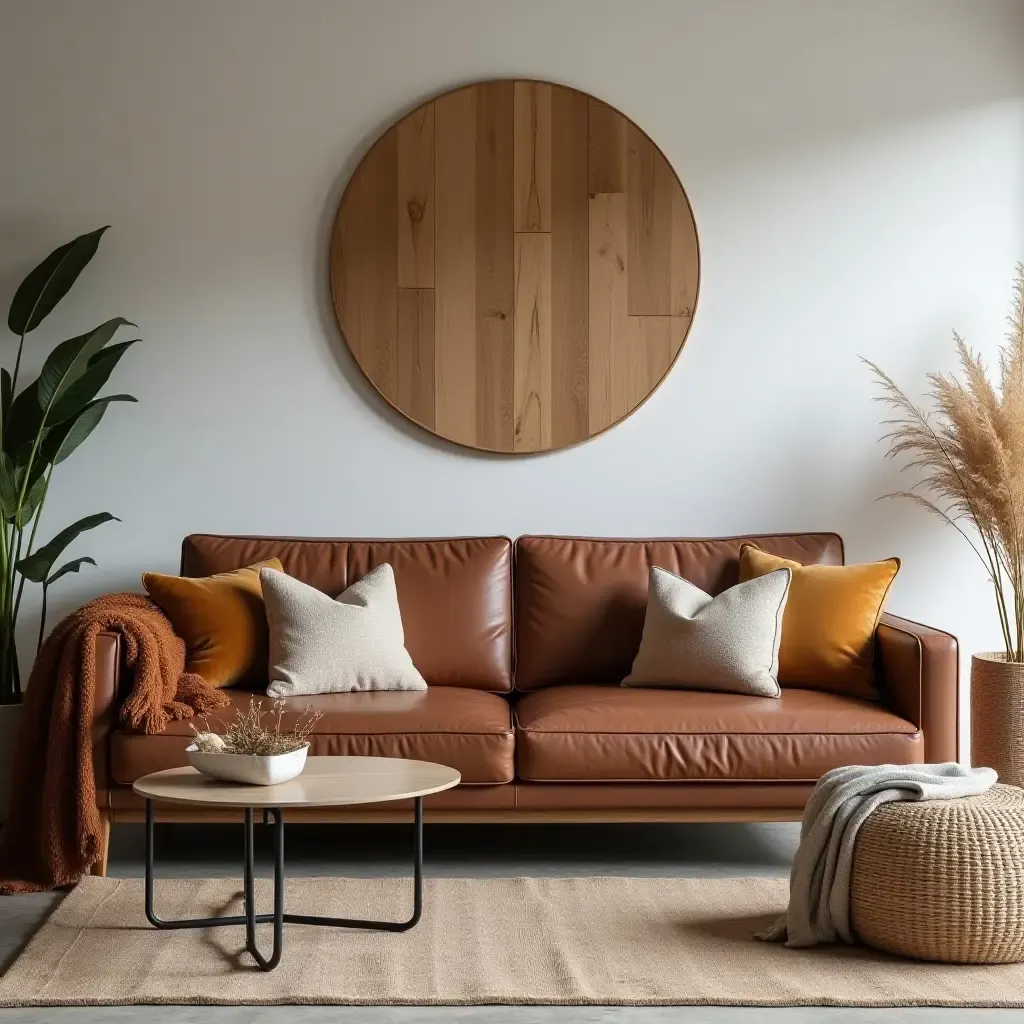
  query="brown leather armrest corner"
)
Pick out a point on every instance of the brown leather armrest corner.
point(106, 701)
point(920, 670)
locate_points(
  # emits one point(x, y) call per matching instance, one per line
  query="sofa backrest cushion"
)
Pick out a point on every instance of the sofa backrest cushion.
point(580, 602)
point(455, 594)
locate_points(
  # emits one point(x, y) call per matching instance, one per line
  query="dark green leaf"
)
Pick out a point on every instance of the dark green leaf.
point(65, 437)
point(113, 352)
point(24, 422)
point(6, 394)
point(51, 281)
point(20, 457)
point(33, 498)
point(36, 567)
point(70, 359)
point(73, 566)
point(85, 389)
point(8, 486)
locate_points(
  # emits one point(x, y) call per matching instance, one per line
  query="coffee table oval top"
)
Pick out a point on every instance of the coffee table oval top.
point(325, 782)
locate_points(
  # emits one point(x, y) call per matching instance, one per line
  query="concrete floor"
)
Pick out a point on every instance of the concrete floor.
point(673, 850)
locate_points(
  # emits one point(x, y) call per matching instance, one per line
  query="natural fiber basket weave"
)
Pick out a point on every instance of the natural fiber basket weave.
point(997, 716)
point(944, 879)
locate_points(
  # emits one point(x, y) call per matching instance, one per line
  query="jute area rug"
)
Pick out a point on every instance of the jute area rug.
point(625, 941)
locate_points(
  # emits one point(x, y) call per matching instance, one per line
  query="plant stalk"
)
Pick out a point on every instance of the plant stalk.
point(17, 369)
point(42, 621)
point(32, 540)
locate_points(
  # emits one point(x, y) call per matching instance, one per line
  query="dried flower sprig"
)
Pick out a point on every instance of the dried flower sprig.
point(248, 734)
point(970, 453)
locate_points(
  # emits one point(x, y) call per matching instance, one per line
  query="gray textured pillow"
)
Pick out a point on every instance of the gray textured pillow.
point(320, 644)
point(728, 643)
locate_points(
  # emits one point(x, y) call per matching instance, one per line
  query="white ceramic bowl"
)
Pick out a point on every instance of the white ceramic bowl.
point(249, 768)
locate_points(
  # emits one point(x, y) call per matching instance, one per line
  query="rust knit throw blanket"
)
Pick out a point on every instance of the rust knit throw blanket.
point(53, 832)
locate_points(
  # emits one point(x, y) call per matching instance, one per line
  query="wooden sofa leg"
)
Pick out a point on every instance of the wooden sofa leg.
point(99, 866)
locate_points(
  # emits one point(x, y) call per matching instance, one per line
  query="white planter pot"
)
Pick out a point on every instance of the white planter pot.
point(256, 771)
point(10, 715)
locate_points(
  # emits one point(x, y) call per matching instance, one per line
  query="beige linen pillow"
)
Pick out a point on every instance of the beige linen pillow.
point(728, 643)
point(320, 644)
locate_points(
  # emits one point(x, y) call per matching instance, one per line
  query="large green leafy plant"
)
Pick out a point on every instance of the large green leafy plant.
point(40, 426)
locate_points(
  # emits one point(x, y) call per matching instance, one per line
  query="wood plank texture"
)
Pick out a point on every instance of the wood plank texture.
point(607, 141)
point(654, 343)
point(364, 275)
point(685, 257)
point(651, 183)
point(532, 350)
point(515, 266)
point(532, 156)
point(415, 392)
point(570, 251)
point(495, 287)
point(455, 267)
point(609, 321)
point(416, 199)
point(523, 815)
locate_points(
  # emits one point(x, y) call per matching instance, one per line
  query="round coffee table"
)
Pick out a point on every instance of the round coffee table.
point(325, 782)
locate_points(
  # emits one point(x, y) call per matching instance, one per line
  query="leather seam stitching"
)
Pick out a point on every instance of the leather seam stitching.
point(732, 732)
point(930, 630)
point(662, 782)
point(497, 735)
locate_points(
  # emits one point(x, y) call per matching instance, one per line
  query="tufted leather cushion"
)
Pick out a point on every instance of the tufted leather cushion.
point(455, 595)
point(580, 602)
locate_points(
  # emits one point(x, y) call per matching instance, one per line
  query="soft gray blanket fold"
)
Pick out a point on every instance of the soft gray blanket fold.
point(819, 885)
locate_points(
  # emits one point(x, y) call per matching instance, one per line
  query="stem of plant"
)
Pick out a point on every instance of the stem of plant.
point(42, 622)
point(31, 539)
point(14, 377)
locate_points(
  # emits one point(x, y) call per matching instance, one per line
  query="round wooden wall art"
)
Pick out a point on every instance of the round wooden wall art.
point(514, 266)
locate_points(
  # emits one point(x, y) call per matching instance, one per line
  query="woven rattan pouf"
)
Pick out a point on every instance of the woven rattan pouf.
point(944, 879)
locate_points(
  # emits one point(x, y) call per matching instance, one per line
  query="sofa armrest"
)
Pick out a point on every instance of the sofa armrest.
point(106, 701)
point(920, 670)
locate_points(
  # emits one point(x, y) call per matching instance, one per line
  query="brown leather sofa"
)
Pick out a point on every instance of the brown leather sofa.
point(522, 646)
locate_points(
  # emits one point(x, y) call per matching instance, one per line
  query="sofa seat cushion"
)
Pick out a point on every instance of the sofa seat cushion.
point(613, 734)
point(468, 730)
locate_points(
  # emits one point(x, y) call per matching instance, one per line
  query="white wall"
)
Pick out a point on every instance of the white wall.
point(857, 174)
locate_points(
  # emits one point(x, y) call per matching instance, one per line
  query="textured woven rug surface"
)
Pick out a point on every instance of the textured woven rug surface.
point(482, 940)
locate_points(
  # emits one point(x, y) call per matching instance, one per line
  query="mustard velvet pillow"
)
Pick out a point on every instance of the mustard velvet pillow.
point(828, 627)
point(222, 620)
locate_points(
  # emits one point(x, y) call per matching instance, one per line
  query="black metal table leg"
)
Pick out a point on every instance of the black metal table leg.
point(189, 922)
point(251, 917)
point(386, 926)
point(279, 918)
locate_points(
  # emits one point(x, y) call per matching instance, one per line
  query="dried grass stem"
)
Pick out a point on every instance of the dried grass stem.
point(249, 734)
point(969, 451)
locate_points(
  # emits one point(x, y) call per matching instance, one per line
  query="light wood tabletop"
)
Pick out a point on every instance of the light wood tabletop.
point(325, 782)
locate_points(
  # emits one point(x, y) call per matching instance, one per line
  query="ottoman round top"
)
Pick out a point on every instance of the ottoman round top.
point(998, 806)
point(325, 782)
point(943, 879)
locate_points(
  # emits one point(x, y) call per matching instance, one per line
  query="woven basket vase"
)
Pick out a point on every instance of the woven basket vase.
point(997, 716)
point(944, 879)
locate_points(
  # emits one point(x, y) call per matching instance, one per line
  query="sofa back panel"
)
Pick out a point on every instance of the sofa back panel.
point(455, 594)
point(580, 602)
